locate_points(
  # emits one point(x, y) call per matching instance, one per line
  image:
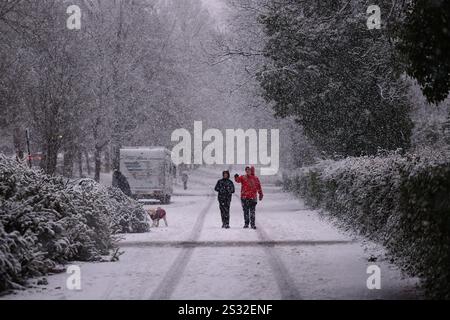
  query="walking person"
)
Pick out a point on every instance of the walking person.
point(251, 188)
point(184, 178)
point(121, 182)
point(225, 188)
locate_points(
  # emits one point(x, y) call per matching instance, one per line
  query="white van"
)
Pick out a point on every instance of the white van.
point(149, 171)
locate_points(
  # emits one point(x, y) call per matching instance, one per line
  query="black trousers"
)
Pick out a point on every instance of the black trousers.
point(224, 205)
point(249, 207)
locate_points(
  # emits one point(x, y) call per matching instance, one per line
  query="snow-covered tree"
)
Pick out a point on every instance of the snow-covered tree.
point(424, 43)
point(336, 77)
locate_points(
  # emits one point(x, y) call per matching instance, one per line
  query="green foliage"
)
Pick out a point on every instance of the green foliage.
point(425, 45)
point(336, 77)
point(400, 201)
point(424, 225)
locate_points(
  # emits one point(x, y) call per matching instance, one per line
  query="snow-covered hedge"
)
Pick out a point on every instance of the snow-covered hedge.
point(400, 201)
point(126, 214)
point(46, 221)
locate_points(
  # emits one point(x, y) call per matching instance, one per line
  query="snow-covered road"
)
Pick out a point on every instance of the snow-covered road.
point(294, 254)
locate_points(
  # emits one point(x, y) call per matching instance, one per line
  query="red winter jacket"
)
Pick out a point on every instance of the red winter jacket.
point(251, 186)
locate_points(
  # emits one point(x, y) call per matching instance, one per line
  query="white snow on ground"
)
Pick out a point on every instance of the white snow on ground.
point(294, 254)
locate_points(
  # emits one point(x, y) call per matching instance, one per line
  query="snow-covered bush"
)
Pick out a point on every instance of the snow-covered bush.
point(45, 221)
point(127, 215)
point(400, 201)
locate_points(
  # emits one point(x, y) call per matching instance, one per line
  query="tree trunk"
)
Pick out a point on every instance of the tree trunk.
point(98, 163)
point(51, 156)
point(80, 163)
point(18, 141)
point(116, 157)
point(107, 160)
point(88, 164)
point(68, 163)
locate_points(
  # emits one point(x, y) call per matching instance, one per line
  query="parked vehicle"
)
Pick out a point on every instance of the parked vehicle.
point(149, 171)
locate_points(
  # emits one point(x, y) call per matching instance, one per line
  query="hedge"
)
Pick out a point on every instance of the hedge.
point(401, 201)
point(48, 221)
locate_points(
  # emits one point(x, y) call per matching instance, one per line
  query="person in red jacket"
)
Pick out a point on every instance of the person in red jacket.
point(251, 188)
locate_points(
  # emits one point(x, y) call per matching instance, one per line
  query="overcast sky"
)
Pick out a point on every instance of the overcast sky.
point(215, 7)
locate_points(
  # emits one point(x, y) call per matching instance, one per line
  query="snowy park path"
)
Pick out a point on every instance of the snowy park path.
point(294, 254)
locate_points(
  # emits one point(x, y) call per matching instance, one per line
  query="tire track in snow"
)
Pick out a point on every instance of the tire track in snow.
point(284, 280)
point(173, 276)
point(114, 286)
point(226, 244)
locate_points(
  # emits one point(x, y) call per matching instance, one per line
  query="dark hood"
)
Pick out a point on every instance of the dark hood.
point(223, 174)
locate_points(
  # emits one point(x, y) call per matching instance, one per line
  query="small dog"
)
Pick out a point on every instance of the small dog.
point(156, 215)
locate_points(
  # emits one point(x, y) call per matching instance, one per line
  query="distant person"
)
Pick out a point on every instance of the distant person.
point(251, 187)
point(121, 182)
point(225, 188)
point(184, 178)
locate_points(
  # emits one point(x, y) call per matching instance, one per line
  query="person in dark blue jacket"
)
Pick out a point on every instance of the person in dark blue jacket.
point(225, 188)
point(121, 182)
